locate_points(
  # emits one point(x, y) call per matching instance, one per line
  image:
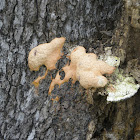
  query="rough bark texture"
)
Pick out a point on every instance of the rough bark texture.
point(93, 24)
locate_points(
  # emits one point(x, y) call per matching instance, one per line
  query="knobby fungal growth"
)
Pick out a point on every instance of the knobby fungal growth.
point(45, 54)
point(85, 68)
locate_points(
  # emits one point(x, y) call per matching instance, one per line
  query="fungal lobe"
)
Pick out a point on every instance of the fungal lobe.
point(85, 68)
point(45, 54)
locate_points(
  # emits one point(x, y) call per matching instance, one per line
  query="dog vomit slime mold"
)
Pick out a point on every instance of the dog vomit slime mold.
point(45, 54)
point(85, 68)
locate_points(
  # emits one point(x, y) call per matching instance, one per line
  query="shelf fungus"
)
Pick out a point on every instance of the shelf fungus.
point(85, 68)
point(45, 54)
point(123, 88)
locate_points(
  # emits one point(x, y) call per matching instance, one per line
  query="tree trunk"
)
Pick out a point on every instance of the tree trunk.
point(94, 24)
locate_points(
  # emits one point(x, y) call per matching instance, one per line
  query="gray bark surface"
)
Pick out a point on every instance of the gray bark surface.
point(25, 24)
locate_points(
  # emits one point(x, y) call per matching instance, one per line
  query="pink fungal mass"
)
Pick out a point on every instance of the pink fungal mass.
point(85, 68)
point(45, 54)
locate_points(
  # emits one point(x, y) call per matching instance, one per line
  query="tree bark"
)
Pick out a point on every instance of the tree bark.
point(94, 24)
